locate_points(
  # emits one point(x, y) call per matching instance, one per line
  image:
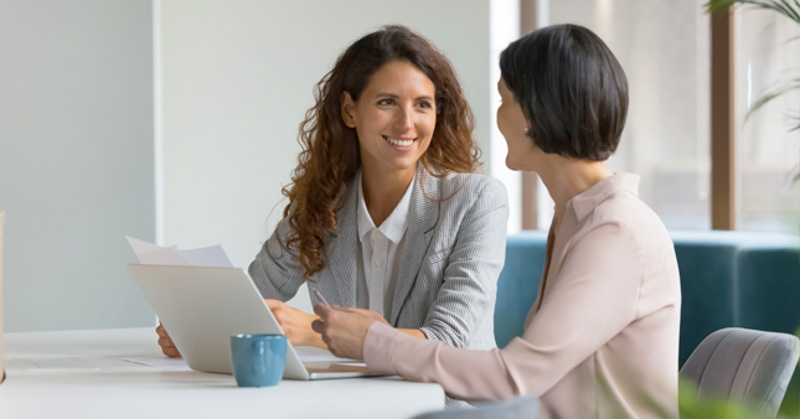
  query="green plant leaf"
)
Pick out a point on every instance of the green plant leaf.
point(771, 95)
point(717, 5)
point(694, 405)
point(781, 6)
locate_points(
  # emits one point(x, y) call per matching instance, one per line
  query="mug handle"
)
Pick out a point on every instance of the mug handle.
point(260, 348)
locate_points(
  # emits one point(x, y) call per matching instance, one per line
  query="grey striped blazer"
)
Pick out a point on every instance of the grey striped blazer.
point(447, 280)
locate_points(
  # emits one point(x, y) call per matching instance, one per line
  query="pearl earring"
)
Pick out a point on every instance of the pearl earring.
point(526, 130)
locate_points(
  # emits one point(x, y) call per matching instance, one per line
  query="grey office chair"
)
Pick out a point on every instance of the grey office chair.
point(744, 365)
point(517, 408)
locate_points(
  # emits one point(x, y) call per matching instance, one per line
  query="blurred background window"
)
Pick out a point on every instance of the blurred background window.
point(767, 58)
point(664, 49)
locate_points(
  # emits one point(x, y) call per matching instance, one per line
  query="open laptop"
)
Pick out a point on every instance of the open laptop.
point(202, 307)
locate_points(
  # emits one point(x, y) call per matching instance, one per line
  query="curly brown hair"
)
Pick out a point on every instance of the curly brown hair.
point(331, 155)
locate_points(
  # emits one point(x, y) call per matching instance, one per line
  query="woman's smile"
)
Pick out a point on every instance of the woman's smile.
point(400, 143)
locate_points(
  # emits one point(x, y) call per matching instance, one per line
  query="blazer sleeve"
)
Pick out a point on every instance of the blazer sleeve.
point(469, 287)
point(276, 269)
point(592, 300)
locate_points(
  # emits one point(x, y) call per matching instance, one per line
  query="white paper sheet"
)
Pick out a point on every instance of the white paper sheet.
point(53, 364)
point(160, 362)
point(151, 254)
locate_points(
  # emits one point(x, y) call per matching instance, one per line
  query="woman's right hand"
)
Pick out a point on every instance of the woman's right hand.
point(296, 324)
point(165, 342)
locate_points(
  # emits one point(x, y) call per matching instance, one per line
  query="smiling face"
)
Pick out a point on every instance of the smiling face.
point(394, 118)
point(512, 124)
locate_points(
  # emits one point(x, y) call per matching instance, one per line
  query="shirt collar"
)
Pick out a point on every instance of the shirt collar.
point(395, 226)
point(584, 203)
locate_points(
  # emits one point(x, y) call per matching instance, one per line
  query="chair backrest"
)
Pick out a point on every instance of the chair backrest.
point(518, 284)
point(744, 365)
point(707, 267)
point(517, 408)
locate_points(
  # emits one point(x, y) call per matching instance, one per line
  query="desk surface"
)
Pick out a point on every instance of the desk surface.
point(122, 389)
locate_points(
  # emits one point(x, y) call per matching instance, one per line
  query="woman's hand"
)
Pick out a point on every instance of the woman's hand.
point(165, 342)
point(296, 324)
point(344, 329)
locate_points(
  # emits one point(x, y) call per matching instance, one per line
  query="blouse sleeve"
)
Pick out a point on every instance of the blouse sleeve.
point(593, 298)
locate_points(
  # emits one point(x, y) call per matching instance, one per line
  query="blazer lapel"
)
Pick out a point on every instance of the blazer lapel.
point(342, 250)
point(423, 216)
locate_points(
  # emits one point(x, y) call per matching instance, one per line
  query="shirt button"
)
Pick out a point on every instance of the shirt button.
point(379, 263)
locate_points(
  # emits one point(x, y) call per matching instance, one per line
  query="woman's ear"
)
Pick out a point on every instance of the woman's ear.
point(348, 110)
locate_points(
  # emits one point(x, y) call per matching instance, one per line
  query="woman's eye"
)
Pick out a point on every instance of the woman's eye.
point(385, 101)
point(425, 105)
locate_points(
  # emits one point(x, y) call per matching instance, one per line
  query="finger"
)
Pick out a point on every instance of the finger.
point(318, 325)
point(273, 304)
point(161, 331)
point(171, 352)
point(166, 342)
point(321, 310)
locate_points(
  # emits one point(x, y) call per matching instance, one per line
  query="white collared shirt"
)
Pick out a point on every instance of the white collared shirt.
point(381, 249)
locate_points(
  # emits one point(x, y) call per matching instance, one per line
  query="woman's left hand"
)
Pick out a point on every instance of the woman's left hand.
point(344, 329)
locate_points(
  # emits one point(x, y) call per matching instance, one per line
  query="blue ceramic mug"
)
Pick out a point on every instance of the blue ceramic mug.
point(258, 360)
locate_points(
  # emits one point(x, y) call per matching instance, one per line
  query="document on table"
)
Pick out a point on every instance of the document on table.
point(151, 254)
point(53, 364)
point(95, 363)
point(157, 362)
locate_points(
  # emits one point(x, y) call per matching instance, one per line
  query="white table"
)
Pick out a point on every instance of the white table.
point(119, 389)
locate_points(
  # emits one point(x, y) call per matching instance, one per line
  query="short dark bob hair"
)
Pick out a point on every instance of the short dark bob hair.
point(571, 88)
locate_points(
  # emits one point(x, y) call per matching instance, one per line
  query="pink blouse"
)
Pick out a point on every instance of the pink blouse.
point(601, 340)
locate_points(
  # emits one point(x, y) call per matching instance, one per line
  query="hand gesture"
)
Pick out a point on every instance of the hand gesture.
point(344, 329)
point(295, 323)
point(165, 342)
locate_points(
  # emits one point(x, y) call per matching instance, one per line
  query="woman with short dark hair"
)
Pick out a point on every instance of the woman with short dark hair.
point(601, 340)
point(576, 99)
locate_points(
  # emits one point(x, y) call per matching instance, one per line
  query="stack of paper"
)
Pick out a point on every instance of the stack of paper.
point(151, 254)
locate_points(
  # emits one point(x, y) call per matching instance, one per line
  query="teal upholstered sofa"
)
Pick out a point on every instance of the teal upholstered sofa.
point(728, 279)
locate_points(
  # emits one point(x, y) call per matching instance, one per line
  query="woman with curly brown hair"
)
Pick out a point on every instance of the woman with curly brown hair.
point(385, 211)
